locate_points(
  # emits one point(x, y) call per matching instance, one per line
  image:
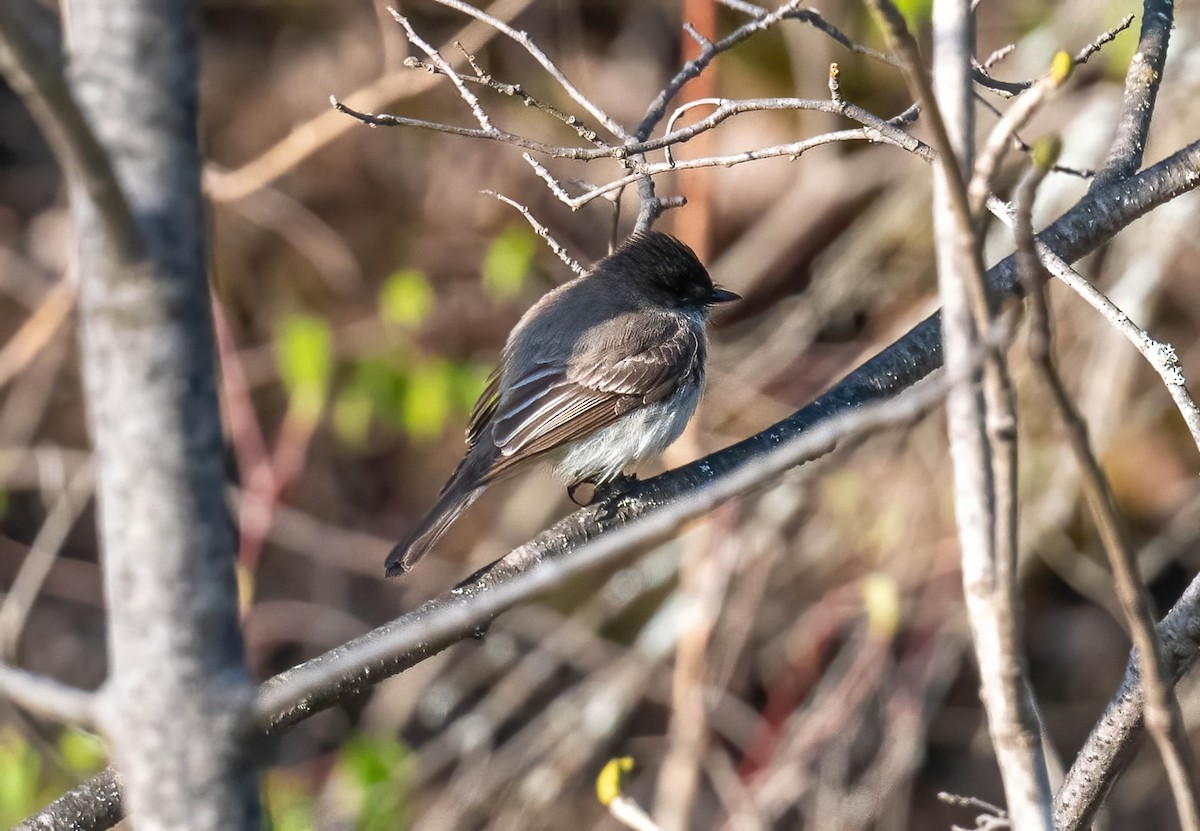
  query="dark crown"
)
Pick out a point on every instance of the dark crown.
point(662, 263)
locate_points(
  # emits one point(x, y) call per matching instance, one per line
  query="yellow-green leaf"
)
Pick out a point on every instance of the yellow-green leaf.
point(916, 12)
point(304, 351)
point(406, 298)
point(83, 752)
point(881, 596)
point(507, 262)
point(608, 783)
point(352, 415)
point(428, 398)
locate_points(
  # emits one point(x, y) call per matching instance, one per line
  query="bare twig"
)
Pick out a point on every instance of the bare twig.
point(1025, 147)
point(1160, 355)
point(47, 699)
point(997, 56)
point(1011, 89)
point(18, 602)
point(311, 136)
point(513, 91)
point(538, 55)
point(954, 170)
point(41, 83)
point(1015, 118)
point(542, 232)
point(970, 802)
point(1161, 707)
point(445, 68)
point(1082, 56)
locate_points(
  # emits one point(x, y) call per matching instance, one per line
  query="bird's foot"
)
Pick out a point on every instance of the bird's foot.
point(615, 487)
point(587, 493)
point(583, 493)
point(609, 495)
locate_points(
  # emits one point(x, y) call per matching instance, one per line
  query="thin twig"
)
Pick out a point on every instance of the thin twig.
point(1159, 354)
point(513, 91)
point(542, 232)
point(445, 68)
point(538, 55)
point(981, 420)
point(1017, 116)
point(18, 602)
point(1025, 147)
point(1082, 56)
point(970, 802)
point(1011, 89)
point(997, 56)
point(921, 86)
point(309, 137)
point(46, 698)
point(41, 83)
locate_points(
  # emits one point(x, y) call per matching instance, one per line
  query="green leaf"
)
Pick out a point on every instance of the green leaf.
point(428, 399)
point(304, 351)
point(468, 381)
point(507, 263)
point(288, 803)
point(20, 769)
point(916, 13)
point(352, 412)
point(406, 298)
point(372, 775)
point(383, 384)
point(83, 752)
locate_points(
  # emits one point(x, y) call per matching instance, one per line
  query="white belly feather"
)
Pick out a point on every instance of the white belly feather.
point(642, 434)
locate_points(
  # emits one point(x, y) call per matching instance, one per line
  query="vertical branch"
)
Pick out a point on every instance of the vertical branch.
point(176, 703)
point(981, 416)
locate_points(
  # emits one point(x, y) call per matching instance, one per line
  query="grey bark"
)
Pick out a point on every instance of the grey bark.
point(174, 707)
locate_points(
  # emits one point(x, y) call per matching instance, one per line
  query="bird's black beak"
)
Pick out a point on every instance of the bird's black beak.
point(720, 295)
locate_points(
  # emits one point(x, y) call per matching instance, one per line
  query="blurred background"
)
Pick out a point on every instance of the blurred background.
point(808, 638)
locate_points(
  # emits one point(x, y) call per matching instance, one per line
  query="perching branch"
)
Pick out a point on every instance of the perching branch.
point(353, 667)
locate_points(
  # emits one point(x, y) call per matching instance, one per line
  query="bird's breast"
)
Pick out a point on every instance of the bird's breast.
point(641, 434)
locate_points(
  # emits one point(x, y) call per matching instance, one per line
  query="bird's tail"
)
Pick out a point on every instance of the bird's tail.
point(459, 494)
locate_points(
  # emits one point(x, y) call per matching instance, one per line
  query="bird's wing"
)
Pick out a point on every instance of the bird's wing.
point(484, 408)
point(551, 404)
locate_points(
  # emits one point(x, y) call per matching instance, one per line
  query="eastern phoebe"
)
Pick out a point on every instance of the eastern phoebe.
point(602, 372)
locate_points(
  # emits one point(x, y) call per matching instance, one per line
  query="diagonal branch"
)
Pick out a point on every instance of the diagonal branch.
point(302, 691)
point(1141, 90)
point(41, 83)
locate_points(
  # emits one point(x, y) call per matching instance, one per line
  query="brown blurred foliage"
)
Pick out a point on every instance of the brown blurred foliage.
point(836, 682)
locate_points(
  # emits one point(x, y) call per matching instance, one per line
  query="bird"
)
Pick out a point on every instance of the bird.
point(602, 372)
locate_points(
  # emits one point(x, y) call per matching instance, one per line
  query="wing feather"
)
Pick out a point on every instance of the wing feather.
point(550, 405)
